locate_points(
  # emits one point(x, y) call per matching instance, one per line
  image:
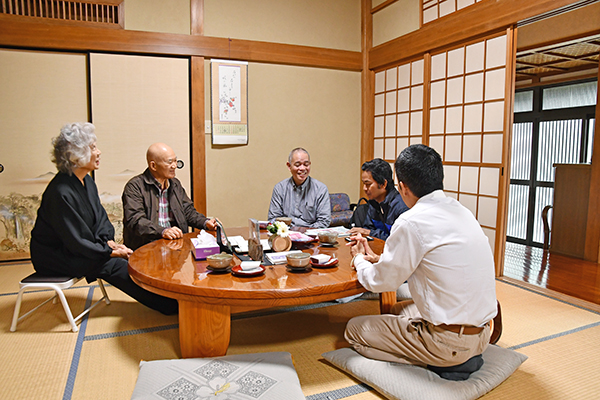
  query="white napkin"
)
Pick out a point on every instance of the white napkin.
point(249, 265)
point(320, 258)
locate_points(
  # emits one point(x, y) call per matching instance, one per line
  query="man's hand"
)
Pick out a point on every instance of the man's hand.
point(211, 224)
point(172, 233)
point(360, 245)
point(362, 231)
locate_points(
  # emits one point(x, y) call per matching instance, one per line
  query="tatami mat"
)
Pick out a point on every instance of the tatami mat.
point(44, 359)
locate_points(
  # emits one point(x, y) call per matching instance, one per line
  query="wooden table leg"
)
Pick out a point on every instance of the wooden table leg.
point(386, 301)
point(204, 329)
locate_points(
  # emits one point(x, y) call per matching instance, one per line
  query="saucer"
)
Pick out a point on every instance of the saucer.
point(298, 269)
point(329, 264)
point(238, 271)
point(218, 270)
point(327, 244)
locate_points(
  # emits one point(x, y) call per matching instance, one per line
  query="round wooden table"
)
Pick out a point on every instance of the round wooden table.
point(207, 299)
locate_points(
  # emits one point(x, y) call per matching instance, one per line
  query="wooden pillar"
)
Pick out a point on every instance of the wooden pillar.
point(367, 89)
point(592, 239)
point(197, 112)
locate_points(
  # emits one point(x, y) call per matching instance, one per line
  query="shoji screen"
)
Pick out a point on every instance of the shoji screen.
point(137, 101)
point(454, 101)
point(399, 94)
point(434, 9)
point(40, 92)
point(467, 113)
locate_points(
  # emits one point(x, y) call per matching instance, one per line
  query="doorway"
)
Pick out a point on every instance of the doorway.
point(552, 124)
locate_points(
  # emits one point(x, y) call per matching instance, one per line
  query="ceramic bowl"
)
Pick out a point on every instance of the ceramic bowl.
point(219, 261)
point(328, 237)
point(298, 260)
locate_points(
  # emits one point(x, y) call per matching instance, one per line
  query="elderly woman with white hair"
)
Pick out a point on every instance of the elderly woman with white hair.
point(72, 234)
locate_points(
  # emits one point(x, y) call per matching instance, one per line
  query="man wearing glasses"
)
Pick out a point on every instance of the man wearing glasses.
point(303, 199)
point(155, 204)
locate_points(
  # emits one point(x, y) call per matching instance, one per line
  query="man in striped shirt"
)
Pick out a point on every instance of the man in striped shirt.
point(155, 204)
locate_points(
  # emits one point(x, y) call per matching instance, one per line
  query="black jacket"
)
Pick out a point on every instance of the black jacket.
point(71, 230)
point(140, 210)
point(381, 216)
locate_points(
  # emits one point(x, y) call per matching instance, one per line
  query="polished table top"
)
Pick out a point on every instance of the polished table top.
point(168, 267)
point(207, 299)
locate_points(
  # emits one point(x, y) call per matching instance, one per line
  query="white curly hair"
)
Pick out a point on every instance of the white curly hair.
point(72, 146)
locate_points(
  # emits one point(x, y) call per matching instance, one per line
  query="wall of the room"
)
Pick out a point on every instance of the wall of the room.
point(289, 106)
point(395, 20)
point(572, 24)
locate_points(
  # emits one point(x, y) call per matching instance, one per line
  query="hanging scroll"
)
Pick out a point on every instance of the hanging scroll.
point(229, 102)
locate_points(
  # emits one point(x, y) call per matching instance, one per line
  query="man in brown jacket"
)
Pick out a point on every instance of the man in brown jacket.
point(155, 204)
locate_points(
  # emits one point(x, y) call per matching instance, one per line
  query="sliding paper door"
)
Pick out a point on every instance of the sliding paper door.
point(459, 107)
point(137, 101)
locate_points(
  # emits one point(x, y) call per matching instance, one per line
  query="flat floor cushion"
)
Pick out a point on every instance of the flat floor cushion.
point(262, 376)
point(408, 382)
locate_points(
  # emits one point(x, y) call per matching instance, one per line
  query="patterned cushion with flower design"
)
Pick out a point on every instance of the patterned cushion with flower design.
point(340, 209)
point(261, 376)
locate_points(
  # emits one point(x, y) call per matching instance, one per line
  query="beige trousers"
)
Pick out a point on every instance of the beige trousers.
point(406, 338)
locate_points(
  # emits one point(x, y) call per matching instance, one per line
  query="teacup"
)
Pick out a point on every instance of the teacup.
point(328, 237)
point(298, 260)
point(285, 220)
point(219, 261)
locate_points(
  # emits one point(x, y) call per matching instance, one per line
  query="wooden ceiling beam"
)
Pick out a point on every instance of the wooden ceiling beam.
point(22, 32)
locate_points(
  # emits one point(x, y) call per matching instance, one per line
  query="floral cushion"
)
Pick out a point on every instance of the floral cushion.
point(262, 376)
point(340, 209)
point(339, 202)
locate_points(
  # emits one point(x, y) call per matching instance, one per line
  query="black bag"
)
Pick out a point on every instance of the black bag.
point(360, 213)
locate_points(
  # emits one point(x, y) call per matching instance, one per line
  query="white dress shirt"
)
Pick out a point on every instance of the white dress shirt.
point(439, 247)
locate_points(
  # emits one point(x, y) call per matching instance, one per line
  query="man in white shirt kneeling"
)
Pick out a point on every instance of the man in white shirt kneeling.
point(439, 247)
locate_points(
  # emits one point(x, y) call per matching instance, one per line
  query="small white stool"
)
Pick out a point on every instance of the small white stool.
point(58, 284)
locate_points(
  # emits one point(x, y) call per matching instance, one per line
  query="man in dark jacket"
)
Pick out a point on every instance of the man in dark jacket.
point(155, 204)
point(385, 203)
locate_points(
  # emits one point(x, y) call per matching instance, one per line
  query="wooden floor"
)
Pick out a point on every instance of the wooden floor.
point(571, 276)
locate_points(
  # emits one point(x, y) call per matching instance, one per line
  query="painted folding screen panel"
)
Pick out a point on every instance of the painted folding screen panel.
point(40, 92)
point(467, 125)
point(137, 101)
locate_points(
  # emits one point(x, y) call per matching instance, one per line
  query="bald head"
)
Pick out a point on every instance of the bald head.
point(162, 161)
point(157, 151)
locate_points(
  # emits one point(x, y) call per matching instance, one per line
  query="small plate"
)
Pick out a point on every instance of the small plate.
point(218, 270)
point(329, 264)
point(238, 271)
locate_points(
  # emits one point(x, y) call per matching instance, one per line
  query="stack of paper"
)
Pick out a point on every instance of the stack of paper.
point(341, 231)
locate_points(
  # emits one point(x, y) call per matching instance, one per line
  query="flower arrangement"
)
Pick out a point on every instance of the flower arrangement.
point(279, 228)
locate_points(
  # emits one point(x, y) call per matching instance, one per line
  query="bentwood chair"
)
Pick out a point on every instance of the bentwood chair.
point(37, 281)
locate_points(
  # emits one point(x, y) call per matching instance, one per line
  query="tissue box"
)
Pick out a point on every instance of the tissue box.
point(203, 251)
